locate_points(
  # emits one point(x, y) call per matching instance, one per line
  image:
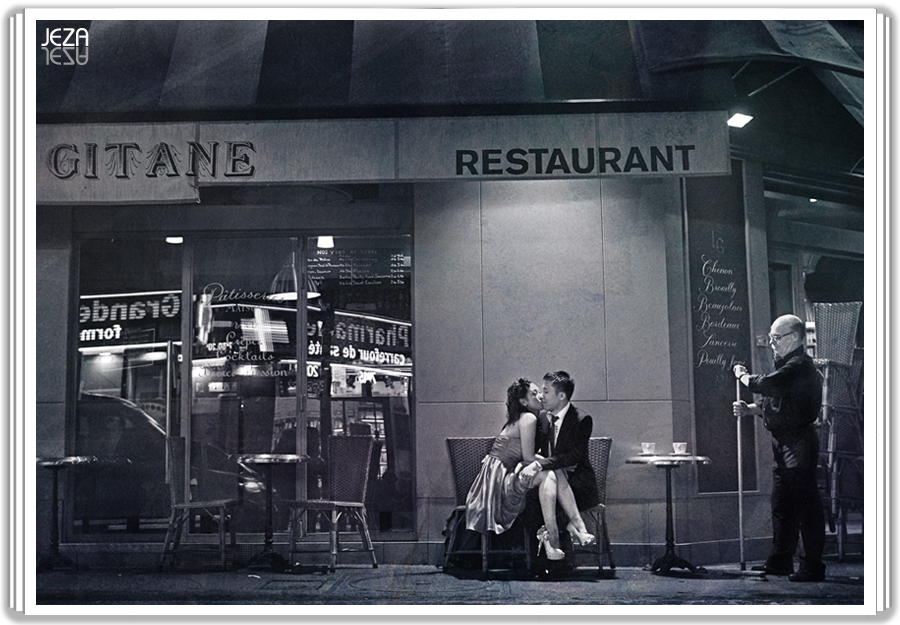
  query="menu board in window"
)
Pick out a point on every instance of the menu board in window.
point(373, 266)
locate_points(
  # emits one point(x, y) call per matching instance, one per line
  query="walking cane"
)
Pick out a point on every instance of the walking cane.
point(740, 472)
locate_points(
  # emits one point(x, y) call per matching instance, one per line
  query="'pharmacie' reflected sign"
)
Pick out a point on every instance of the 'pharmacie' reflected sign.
point(133, 163)
point(362, 339)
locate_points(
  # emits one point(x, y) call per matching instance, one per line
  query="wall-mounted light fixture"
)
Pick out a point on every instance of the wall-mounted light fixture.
point(739, 120)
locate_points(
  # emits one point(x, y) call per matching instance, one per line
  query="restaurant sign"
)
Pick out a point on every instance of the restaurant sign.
point(145, 163)
point(564, 146)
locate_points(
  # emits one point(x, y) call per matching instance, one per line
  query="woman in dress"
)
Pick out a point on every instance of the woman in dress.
point(497, 495)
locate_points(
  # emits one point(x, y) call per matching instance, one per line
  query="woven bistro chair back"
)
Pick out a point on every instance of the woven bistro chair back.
point(466, 454)
point(836, 326)
point(183, 509)
point(844, 389)
point(349, 463)
point(598, 454)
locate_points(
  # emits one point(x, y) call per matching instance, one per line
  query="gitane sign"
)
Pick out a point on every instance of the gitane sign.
point(147, 163)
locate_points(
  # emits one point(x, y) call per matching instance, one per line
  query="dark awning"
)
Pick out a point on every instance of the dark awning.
point(805, 77)
point(155, 66)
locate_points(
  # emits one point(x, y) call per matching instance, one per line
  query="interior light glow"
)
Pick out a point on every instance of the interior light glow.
point(175, 240)
point(141, 294)
point(288, 296)
point(739, 120)
point(118, 349)
point(812, 199)
point(209, 362)
point(326, 242)
point(372, 370)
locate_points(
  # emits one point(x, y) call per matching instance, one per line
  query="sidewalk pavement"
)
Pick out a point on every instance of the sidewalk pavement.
point(397, 585)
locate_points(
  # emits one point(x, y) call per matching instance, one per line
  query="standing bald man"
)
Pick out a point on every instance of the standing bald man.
point(791, 400)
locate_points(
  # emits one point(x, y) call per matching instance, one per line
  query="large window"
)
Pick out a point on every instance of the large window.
point(244, 369)
point(129, 325)
point(359, 346)
point(292, 340)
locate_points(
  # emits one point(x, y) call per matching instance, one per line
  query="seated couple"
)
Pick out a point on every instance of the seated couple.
point(543, 445)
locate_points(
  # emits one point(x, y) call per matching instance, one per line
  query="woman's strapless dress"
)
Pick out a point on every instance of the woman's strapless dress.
point(497, 495)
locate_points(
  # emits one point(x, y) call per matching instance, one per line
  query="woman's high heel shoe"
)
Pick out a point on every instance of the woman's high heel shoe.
point(552, 552)
point(579, 538)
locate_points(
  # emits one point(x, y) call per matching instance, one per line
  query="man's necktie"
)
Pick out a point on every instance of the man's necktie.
point(553, 425)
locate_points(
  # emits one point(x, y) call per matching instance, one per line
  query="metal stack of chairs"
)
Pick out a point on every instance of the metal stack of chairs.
point(840, 424)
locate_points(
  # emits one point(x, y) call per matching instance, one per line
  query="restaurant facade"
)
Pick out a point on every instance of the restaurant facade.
point(376, 229)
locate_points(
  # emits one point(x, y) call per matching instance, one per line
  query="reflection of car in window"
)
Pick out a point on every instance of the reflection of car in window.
point(110, 427)
point(129, 481)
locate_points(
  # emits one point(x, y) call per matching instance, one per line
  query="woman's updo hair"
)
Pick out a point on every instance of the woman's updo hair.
point(517, 390)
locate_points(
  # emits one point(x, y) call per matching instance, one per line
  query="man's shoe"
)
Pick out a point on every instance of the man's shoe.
point(772, 570)
point(806, 576)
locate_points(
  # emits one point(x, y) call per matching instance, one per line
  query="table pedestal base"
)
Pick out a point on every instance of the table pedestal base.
point(56, 562)
point(669, 560)
point(274, 560)
point(269, 556)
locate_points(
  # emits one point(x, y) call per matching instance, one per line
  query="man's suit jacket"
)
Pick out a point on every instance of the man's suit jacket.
point(571, 451)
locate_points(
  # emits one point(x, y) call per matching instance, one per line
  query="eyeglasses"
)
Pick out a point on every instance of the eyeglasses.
point(777, 337)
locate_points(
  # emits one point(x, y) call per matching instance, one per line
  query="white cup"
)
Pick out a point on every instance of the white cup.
point(648, 448)
point(679, 448)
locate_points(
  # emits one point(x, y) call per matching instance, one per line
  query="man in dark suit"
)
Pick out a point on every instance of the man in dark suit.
point(568, 432)
point(562, 439)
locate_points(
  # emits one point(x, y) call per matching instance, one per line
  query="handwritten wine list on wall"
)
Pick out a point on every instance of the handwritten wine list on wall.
point(719, 315)
point(720, 325)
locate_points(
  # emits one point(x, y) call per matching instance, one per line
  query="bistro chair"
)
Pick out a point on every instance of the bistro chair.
point(598, 454)
point(349, 462)
point(466, 455)
point(220, 510)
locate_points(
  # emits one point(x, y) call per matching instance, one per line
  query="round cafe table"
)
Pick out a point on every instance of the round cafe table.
point(268, 554)
point(669, 559)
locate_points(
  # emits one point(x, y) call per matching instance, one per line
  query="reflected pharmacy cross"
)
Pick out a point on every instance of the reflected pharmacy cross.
point(264, 331)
